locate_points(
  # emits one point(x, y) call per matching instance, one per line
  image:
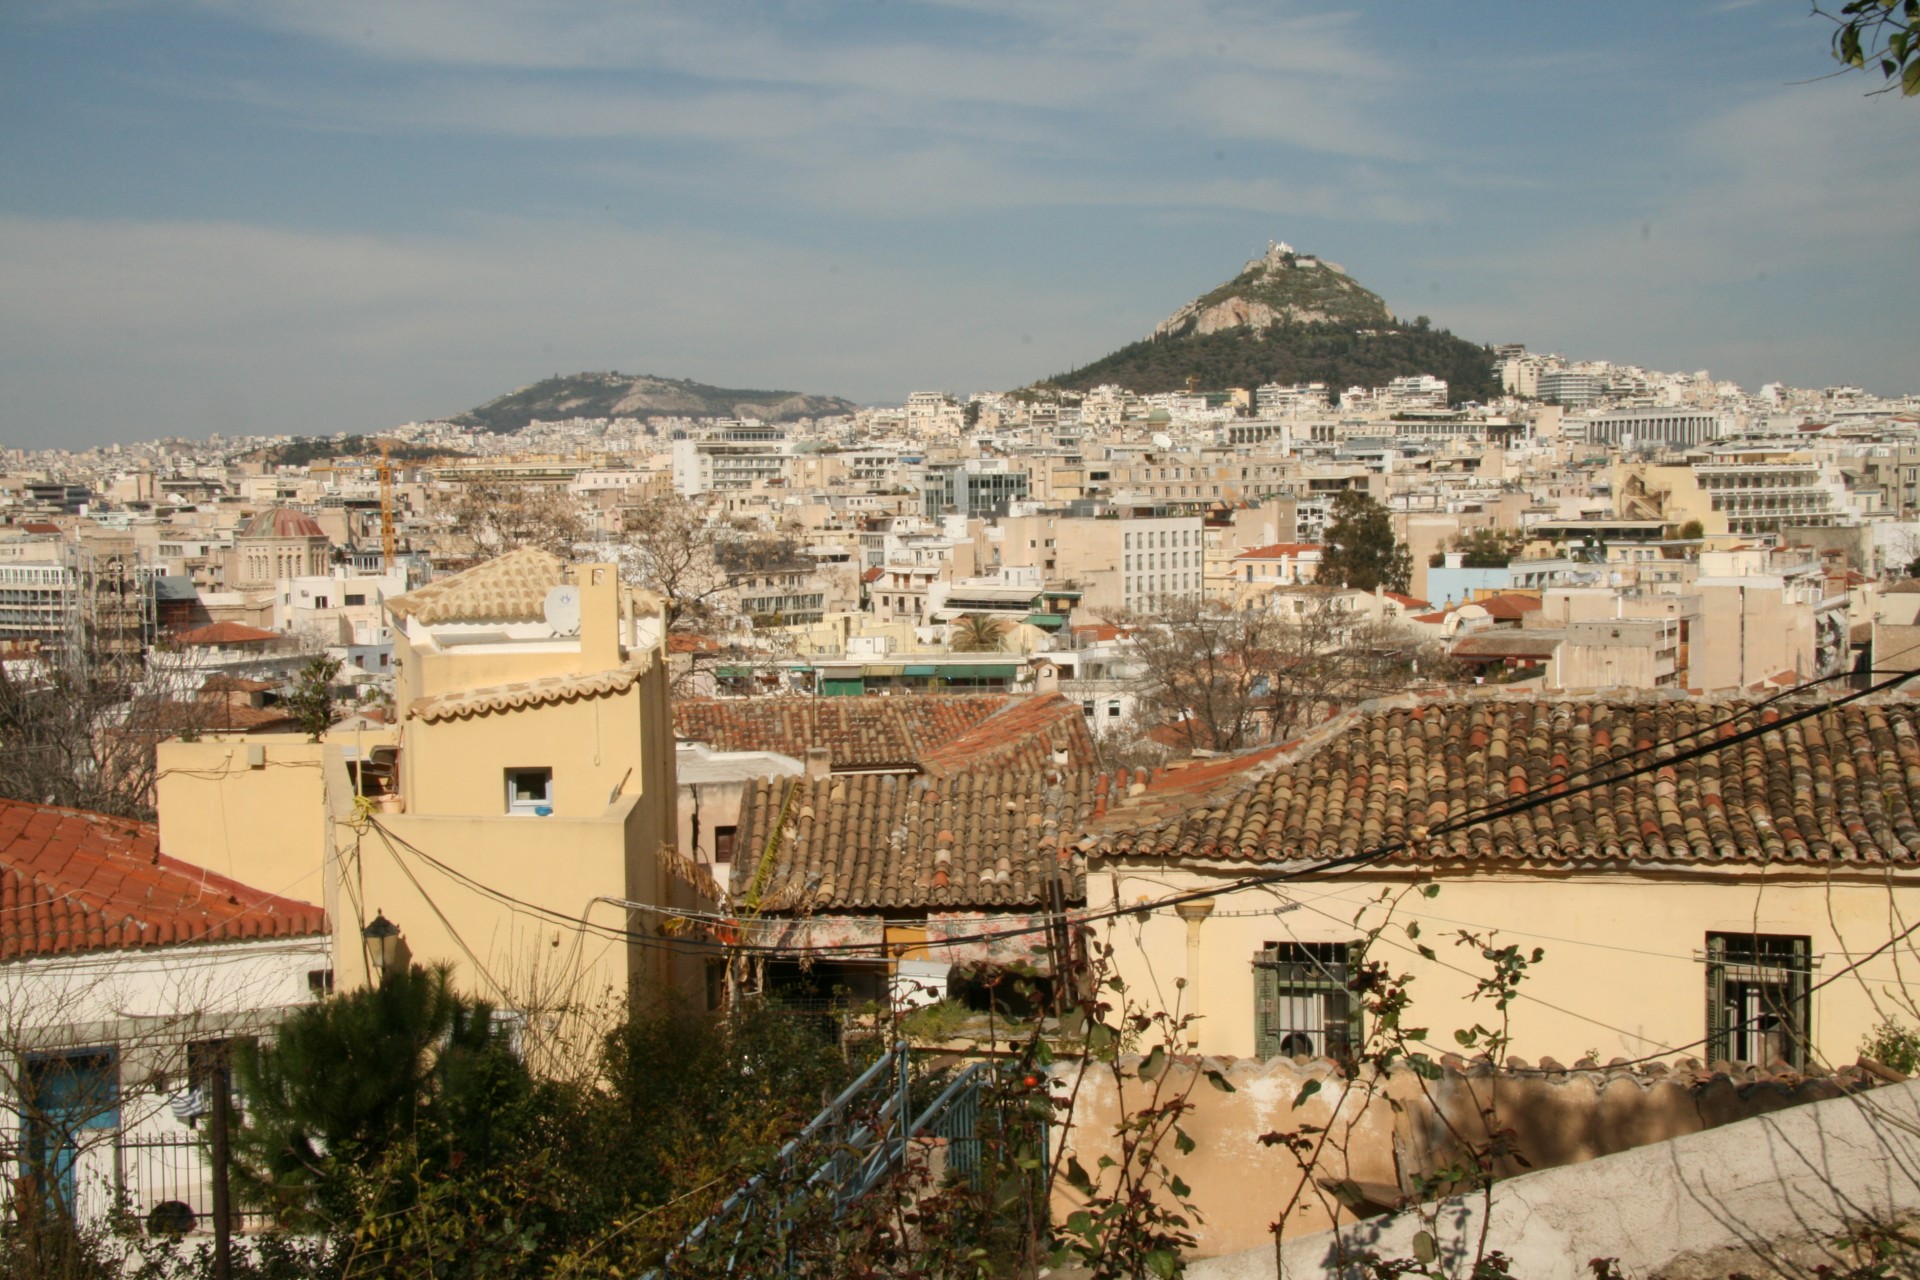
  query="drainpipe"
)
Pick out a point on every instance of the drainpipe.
point(1194, 913)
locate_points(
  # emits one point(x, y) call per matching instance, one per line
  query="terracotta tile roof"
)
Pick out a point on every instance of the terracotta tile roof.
point(1509, 608)
point(1507, 642)
point(688, 642)
point(1407, 601)
point(227, 633)
point(509, 588)
point(873, 574)
point(236, 684)
point(527, 693)
point(987, 838)
point(1843, 788)
point(1278, 550)
point(861, 733)
point(73, 881)
point(1035, 733)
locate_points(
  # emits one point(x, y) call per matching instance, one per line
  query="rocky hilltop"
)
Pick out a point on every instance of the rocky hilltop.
point(622, 395)
point(1283, 287)
point(1288, 317)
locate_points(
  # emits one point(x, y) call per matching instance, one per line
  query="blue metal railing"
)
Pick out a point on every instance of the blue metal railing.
point(866, 1134)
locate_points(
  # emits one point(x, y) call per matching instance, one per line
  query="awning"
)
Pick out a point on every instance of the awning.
point(1047, 621)
point(983, 671)
point(917, 671)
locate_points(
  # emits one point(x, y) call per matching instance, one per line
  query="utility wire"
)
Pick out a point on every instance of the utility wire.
point(1558, 791)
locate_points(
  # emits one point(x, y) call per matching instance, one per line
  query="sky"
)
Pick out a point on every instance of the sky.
point(310, 216)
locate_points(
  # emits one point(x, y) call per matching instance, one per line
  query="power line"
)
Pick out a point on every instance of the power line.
point(1536, 798)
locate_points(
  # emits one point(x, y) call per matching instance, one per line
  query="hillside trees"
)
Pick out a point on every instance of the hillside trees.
point(1360, 549)
point(1288, 353)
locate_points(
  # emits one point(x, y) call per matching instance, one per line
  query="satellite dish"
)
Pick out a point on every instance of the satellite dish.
point(562, 611)
point(1161, 440)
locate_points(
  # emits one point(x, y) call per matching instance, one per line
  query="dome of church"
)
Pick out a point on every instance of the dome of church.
point(282, 522)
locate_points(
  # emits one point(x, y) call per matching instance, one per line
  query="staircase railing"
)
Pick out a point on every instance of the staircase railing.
point(866, 1134)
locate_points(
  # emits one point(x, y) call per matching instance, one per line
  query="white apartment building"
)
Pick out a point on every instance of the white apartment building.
point(1162, 559)
point(736, 457)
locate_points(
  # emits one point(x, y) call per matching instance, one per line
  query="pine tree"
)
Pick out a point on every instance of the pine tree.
point(1360, 549)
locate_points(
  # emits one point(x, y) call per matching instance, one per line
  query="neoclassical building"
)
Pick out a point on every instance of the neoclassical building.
point(278, 543)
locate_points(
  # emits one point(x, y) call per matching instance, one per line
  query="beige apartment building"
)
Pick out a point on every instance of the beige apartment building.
point(1118, 562)
point(518, 823)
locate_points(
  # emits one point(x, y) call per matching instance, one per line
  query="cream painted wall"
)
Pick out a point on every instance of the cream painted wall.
point(1621, 974)
point(459, 766)
point(261, 826)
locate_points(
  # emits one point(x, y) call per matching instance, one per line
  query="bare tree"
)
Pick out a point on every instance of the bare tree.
point(495, 517)
point(84, 743)
point(1236, 678)
point(691, 560)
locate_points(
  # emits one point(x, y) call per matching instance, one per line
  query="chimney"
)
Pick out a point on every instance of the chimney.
point(599, 617)
point(819, 763)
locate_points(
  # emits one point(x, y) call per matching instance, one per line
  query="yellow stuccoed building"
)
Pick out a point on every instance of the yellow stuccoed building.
point(517, 823)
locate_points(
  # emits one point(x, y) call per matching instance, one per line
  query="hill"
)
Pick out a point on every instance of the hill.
point(305, 450)
point(620, 395)
point(1289, 317)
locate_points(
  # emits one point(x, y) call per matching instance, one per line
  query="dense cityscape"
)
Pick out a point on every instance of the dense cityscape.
point(684, 642)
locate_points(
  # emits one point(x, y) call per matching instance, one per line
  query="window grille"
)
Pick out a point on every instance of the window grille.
point(1302, 1006)
point(1758, 1007)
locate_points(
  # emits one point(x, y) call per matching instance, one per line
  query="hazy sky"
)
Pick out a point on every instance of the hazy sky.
point(320, 215)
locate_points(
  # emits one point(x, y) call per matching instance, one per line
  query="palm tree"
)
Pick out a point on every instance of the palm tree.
point(977, 633)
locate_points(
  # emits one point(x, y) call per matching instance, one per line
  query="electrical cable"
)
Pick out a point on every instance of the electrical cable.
point(1526, 802)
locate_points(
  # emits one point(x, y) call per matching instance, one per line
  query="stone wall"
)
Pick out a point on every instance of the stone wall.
point(1378, 1133)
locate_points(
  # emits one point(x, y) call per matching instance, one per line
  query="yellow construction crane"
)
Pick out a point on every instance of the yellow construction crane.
point(388, 553)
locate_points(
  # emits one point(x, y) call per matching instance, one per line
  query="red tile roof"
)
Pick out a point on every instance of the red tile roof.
point(1278, 550)
point(226, 633)
point(1840, 789)
point(72, 881)
point(865, 842)
point(862, 733)
point(1036, 732)
point(1509, 608)
point(282, 522)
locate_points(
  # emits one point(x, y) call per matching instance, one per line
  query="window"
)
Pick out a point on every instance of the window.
point(723, 843)
point(356, 597)
point(1758, 1007)
point(530, 791)
point(1301, 1002)
point(319, 983)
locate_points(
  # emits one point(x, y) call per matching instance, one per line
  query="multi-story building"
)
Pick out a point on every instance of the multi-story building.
point(975, 488)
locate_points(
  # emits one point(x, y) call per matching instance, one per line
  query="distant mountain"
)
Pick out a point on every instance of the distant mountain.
point(1289, 317)
point(621, 395)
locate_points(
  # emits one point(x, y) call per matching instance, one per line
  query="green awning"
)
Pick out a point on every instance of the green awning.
point(918, 671)
point(1047, 621)
point(992, 671)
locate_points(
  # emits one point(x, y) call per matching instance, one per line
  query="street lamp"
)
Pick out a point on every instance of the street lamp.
point(382, 940)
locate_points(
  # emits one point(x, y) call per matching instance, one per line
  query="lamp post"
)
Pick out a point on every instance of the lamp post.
point(381, 938)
